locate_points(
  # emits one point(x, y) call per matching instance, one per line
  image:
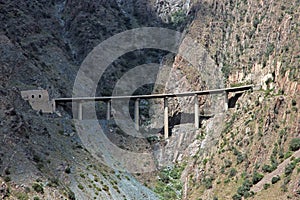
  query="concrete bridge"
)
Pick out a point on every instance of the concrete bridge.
point(81, 100)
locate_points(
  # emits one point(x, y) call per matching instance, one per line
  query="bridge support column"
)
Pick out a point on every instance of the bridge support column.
point(108, 110)
point(196, 111)
point(79, 110)
point(136, 114)
point(226, 100)
point(53, 105)
point(166, 118)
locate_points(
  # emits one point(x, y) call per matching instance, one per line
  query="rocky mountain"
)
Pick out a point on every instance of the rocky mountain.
point(251, 42)
point(250, 151)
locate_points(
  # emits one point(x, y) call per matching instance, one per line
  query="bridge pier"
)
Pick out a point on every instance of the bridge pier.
point(79, 110)
point(166, 118)
point(53, 105)
point(196, 111)
point(108, 110)
point(136, 114)
point(80, 100)
point(226, 100)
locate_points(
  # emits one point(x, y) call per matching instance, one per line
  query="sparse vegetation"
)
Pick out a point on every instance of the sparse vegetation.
point(290, 167)
point(38, 188)
point(53, 182)
point(22, 196)
point(169, 185)
point(178, 17)
point(244, 190)
point(71, 195)
point(105, 188)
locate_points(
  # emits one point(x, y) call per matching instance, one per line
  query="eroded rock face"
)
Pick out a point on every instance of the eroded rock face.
point(169, 10)
point(248, 41)
point(42, 45)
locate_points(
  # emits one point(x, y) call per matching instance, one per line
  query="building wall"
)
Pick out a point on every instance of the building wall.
point(38, 99)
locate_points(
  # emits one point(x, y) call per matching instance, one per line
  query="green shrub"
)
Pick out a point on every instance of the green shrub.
point(7, 171)
point(36, 198)
point(222, 170)
point(226, 70)
point(7, 179)
point(169, 185)
point(266, 186)
point(290, 168)
point(232, 172)
point(244, 190)
point(36, 158)
point(226, 180)
point(227, 163)
point(80, 186)
point(240, 158)
point(38, 188)
point(105, 188)
point(178, 17)
point(71, 195)
point(82, 175)
point(268, 168)
point(164, 178)
point(205, 161)
point(275, 179)
point(68, 170)
point(288, 154)
point(256, 177)
point(295, 144)
point(22, 196)
point(207, 183)
point(270, 49)
point(287, 180)
point(236, 197)
point(53, 182)
point(284, 188)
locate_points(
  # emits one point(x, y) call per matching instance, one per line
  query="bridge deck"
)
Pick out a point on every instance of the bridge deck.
point(225, 91)
point(151, 96)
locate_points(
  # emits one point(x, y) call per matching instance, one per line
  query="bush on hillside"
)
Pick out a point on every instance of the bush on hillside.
point(295, 144)
point(257, 177)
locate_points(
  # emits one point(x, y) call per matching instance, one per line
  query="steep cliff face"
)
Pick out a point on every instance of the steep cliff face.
point(42, 44)
point(251, 42)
